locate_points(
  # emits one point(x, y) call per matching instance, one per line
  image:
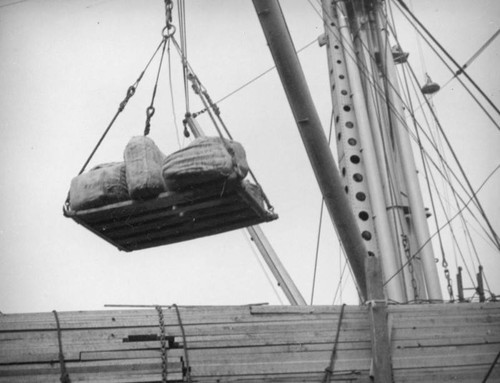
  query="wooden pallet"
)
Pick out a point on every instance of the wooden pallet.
point(176, 216)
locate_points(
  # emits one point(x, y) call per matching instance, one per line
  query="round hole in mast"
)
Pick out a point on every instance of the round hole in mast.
point(357, 177)
point(349, 125)
point(360, 196)
point(355, 159)
point(363, 215)
point(366, 235)
point(352, 141)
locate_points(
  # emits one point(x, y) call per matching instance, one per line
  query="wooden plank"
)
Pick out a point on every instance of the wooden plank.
point(174, 217)
point(243, 343)
point(164, 200)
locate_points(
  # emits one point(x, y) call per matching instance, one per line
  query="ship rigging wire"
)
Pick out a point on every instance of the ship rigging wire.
point(449, 66)
point(472, 58)
point(445, 224)
point(464, 225)
point(494, 236)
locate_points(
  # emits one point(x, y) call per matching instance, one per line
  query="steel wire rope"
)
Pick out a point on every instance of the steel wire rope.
point(468, 237)
point(446, 180)
point(252, 80)
point(472, 58)
point(211, 106)
point(452, 71)
point(150, 110)
point(384, 97)
point(400, 117)
point(389, 103)
point(397, 114)
point(398, 218)
point(425, 164)
point(444, 225)
point(172, 96)
point(451, 149)
point(340, 284)
point(130, 92)
point(473, 194)
point(402, 4)
point(318, 239)
point(364, 70)
point(495, 237)
point(264, 270)
point(455, 241)
point(181, 6)
point(13, 3)
point(466, 65)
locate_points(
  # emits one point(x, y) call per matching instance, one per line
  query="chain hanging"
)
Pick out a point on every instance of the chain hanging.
point(163, 344)
point(406, 247)
point(448, 278)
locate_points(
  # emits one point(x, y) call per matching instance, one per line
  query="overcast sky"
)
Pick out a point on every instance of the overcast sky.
point(64, 68)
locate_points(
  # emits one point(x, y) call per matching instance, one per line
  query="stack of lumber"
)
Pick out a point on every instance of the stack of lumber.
point(430, 343)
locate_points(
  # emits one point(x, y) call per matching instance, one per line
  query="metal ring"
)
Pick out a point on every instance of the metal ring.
point(150, 111)
point(168, 31)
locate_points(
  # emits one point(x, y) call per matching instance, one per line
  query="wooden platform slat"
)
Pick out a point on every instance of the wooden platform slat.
point(175, 216)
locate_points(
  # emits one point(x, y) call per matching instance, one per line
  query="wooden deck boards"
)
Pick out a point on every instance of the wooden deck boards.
point(430, 343)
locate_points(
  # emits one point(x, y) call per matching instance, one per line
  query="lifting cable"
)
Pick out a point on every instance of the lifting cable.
point(130, 93)
point(167, 32)
point(212, 109)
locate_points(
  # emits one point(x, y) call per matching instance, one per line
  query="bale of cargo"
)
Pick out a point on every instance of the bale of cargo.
point(143, 165)
point(102, 185)
point(206, 159)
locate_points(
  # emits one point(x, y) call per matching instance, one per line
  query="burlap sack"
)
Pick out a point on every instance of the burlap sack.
point(205, 160)
point(143, 163)
point(102, 185)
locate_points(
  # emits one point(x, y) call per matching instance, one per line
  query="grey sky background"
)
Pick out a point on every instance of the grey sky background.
point(64, 68)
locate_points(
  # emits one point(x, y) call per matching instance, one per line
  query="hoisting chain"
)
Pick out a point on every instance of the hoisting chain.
point(448, 278)
point(210, 106)
point(406, 247)
point(163, 344)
